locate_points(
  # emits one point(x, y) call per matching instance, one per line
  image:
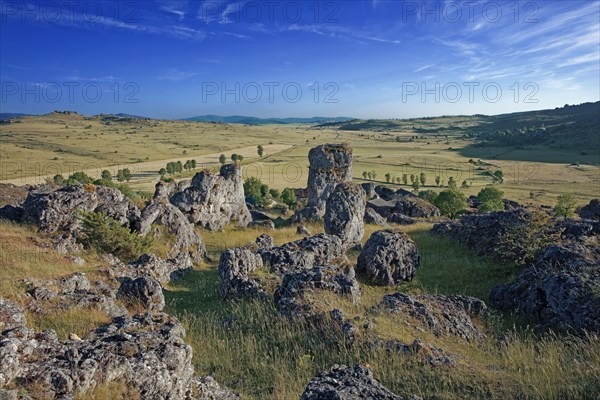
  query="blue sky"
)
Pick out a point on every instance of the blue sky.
point(366, 59)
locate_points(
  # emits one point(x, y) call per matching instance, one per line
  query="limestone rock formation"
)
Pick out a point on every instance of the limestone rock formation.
point(58, 209)
point(152, 266)
point(347, 383)
point(443, 315)
point(373, 218)
point(344, 214)
point(213, 201)
point(235, 266)
point(416, 207)
point(144, 290)
point(389, 257)
point(330, 164)
point(591, 210)
point(320, 249)
point(560, 290)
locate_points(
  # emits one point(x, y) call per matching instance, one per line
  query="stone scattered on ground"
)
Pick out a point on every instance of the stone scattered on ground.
point(373, 218)
point(144, 291)
point(389, 257)
point(591, 210)
point(235, 267)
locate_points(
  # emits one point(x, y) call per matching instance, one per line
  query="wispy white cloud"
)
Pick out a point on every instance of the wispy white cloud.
point(175, 7)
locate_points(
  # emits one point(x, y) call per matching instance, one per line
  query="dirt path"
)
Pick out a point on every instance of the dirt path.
point(149, 170)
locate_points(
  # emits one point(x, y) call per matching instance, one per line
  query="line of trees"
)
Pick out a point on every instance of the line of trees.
point(177, 167)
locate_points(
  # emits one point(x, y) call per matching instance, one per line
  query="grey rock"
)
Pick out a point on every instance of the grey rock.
point(389, 257)
point(344, 213)
point(373, 218)
point(11, 213)
point(347, 383)
point(235, 266)
point(385, 192)
point(400, 219)
point(187, 240)
point(209, 389)
point(560, 290)
point(591, 210)
point(320, 249)
point(213, 201)
point(11, 315)
point(267, 224)
point(301, 230)
point(330, 164)
point(265, 242)
point(443, 315)
point(369, 188)
point(381, 206)
point(58, 210)
point(290, 296)
point(144, 290)
point(416, 207)
point(153, 266)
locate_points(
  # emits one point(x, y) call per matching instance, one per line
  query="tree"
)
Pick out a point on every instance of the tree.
point(412, 178)
point(416, 185)
point(171, 168)
point(405, 179)
point(59, 179)
point(451, 202)
point(193, 164)
point(240, 158)
point(288, 197)
point(120, 175)
point(464, 184)
point(423, 178)
point(260, 150)
point(565, 205)
point(498, 176)
point(178, 167)
point(428, 195)
point(490, 199)
point(106, 175)
point(127, 174)
point(374, 175)
point(365, 174)
point(187, 165)
point(369, 175)
point(234, 157)
point(438, 180)
point(275, 194)
point(162, 172)
point(452, 183)
point(222, 159)
point(388, 176)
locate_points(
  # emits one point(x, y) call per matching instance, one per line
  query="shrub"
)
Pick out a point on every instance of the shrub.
point(565, 205)
point(288, 197)
point(451, 202)
point(106, 235)
point(428, 195)
point(490, 199)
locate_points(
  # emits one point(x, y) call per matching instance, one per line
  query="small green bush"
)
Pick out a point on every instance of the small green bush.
point(106, 235)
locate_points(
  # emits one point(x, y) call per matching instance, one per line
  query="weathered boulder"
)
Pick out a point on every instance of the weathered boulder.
point(265, 242)
point(235, 266)
point(214, 201)
point(74, 291)
point(344, 214)
point(416, 207)
point(11, 213)
point(54, 210)
point(347, 383)
point(13, 194)
point(389, 257)
point(11, 316)
point(302, 231)
point(369, 188)
point(292, 296)
point(560, 290)
point(146, 352)
point(373, 218)
point(187, 240)
point(385, 192)
point(144, 291)
point(443, 315)
point(400, 219)
point(381, 206)
point(330, 164)
point(153, 266)
point(208, 389)
point(591, 210)
point(320, 249)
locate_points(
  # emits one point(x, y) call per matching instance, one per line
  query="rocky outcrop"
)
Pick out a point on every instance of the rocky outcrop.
point(152, 266)
point(187, 240)
point(347, 383)
point(292, 296)
point(11, 213)
point(330, 165)
point(400, 219)
point(58, 210)
point(320, 249)
point(591, 210)
point(11, 316)
point(442, 315)
point(561, 290)
point(381, 206)
point(235, 266)
point(344, 214)
point(369, 188)
point(416, 207)
point(75, 291)
point(302, 231)
point(373, 218)
point(144, 291)
point(213, 201)
point(265, 242)
point(389, 257)
point(208, 389)
point(146, 352)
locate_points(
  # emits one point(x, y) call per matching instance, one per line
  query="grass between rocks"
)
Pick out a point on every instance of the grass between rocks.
point(247, 347)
